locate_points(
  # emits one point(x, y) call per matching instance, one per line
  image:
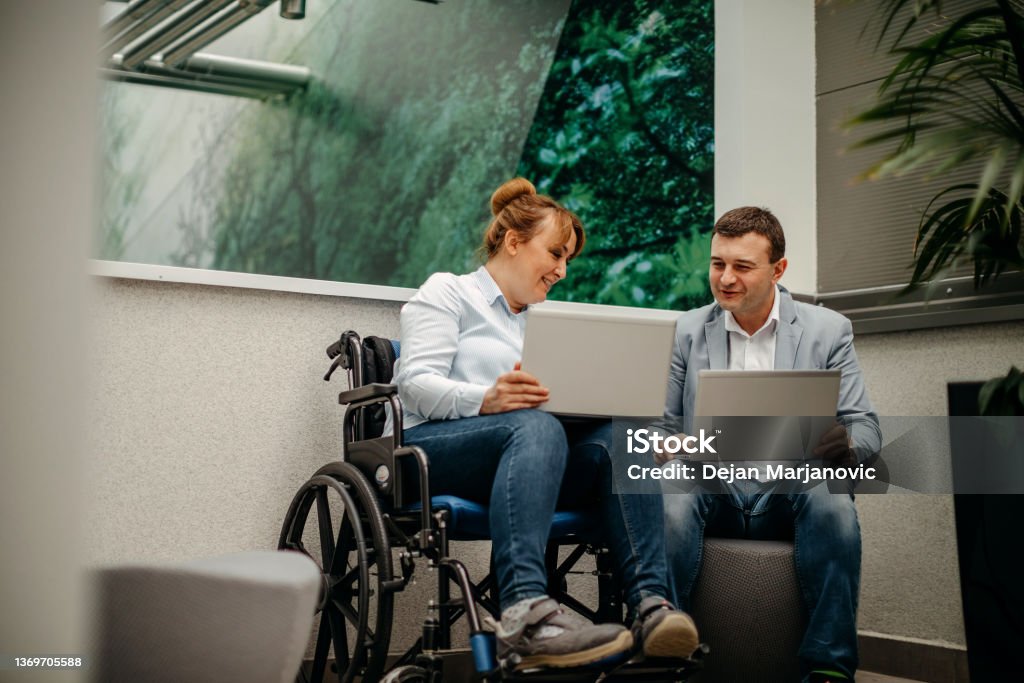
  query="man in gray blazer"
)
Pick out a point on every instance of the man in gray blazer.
point(755, 324)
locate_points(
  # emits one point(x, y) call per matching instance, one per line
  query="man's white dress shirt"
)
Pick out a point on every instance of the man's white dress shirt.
point(753, 351)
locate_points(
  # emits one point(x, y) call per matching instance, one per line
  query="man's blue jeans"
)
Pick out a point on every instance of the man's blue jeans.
point(826, 536)
point(524, 464)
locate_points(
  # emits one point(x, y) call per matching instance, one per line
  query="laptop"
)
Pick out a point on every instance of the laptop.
point(775, 414)
point(600, 361)
point(790, 393)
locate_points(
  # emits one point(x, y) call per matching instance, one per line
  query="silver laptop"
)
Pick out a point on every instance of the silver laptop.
point(786, 393)
point(600, 361)
point(777, 397)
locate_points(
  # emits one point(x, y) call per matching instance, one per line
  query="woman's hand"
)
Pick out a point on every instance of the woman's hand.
point(512, 391)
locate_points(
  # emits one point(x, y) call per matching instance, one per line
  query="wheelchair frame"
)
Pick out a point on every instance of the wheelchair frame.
point(373, 518)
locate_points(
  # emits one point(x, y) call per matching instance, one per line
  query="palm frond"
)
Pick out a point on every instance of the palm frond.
point(990, 237)
point(1003, 396)
point(1016, 189)
point(894, 8)
point(954, 96)
point(988, 179)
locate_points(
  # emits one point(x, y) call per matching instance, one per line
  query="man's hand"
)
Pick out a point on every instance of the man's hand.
point(663, 455)
point(512, 391)
point(836, 446)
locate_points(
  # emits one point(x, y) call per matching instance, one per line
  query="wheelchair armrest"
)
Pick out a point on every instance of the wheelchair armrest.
point(367, 394)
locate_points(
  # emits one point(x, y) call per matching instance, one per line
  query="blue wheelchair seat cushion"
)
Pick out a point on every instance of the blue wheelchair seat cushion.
point(469, 521)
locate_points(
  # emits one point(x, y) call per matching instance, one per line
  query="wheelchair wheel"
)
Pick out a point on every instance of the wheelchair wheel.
point(336, 521)
point(407, 674)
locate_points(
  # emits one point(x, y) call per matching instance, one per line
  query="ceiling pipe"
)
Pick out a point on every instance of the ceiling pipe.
point(226, 75)
point(284, 75)
point(117, 43)
point(253, 91)
point(181, 51)
point(137, 9)
point(179, 26)
point(160, 49)
point(156, 42)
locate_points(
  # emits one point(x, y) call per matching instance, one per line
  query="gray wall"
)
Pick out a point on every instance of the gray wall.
point(910, 584)
point(209, 412)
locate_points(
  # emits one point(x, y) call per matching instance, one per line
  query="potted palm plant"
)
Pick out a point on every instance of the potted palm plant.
point(956, 96)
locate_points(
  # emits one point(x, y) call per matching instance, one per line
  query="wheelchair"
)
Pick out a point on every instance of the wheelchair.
point(354, 515)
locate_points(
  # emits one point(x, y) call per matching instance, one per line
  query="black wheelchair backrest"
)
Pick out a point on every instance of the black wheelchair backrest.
point(379, 356)
point(370, 360)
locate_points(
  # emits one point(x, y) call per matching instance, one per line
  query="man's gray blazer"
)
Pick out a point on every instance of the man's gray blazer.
point(808, 338)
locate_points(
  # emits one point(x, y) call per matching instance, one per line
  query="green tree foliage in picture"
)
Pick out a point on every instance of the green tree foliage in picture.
point(380, 171)
point(120, 182)
point(624, 136)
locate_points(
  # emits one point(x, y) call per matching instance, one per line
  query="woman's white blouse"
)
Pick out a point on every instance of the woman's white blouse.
point(458, 335)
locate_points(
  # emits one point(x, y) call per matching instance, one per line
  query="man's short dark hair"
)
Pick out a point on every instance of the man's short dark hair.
point(739, 222)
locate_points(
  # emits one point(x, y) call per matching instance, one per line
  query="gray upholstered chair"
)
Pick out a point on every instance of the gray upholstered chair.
point(748, 608)
point(243, 617)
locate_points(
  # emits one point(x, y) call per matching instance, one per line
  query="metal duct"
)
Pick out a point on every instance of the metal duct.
point(212, 31)
point(117, 43)
point(192, 84)
point(156, 42)
point(281, 76)
point(135, 11)
point(137, 36)
point(172, 31)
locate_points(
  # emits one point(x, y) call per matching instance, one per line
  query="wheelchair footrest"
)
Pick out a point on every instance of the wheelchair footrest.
point(636, 669)
point(458, 664)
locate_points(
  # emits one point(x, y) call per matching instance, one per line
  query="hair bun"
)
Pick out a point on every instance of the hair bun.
point(508, 191)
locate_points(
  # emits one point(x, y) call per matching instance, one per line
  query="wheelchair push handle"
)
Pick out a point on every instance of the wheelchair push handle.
point(340, 353)
point(334, 366)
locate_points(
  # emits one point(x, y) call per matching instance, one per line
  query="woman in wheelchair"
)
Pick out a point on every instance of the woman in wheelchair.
point(468, 404)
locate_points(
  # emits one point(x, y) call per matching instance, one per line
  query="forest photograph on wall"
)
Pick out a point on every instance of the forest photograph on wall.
point(380, 170)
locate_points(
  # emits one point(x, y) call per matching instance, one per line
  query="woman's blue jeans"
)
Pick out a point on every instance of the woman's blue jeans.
point(526, 463)
point(827, 549)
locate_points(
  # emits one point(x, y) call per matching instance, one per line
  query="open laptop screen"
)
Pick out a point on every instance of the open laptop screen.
point(766, 414)
point(602, 361)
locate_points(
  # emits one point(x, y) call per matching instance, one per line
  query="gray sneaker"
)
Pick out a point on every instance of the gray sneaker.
point(663, 630)
point(574, 643)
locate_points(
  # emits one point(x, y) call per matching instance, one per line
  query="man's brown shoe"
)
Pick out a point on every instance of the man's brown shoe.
point(663, 630)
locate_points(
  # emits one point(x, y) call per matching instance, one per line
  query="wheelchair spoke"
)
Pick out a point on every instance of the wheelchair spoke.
point(323, 640)
point(339, 560)
point(323, 514)
point(349, 541)
point(353, 618)
point(349, 580)
point(348, 611)
point(340, 638)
